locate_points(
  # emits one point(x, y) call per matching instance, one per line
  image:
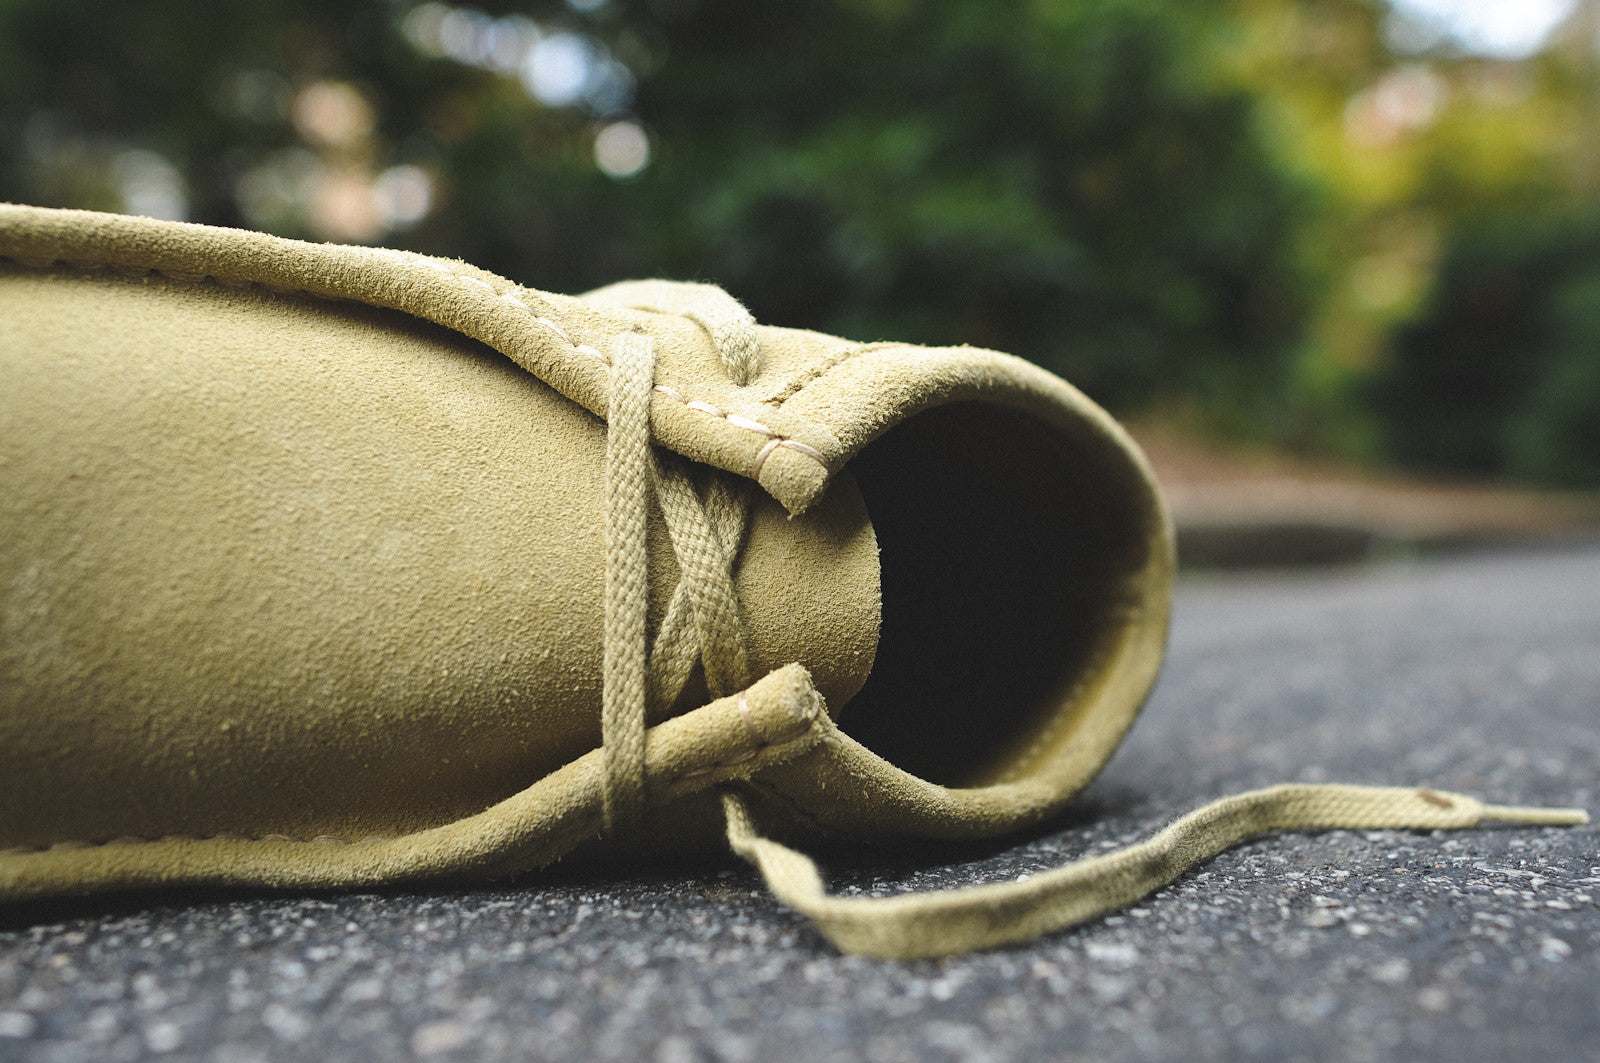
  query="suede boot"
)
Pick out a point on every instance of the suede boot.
point(334, 566)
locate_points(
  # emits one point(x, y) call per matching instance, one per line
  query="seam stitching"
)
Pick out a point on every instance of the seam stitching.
point(804, 380)
point(775, 439)
point(757, 743)
point(756, 746)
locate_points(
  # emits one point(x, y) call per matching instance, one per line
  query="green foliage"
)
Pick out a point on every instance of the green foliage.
point(1053, 178)
point(1060, 178)
point(1501, 373)
point(1251, 214)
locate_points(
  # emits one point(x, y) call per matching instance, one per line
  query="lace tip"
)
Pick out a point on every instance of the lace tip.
point(1544, 817)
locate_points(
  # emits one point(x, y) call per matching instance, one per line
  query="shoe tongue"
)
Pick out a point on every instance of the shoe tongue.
point(808, 590)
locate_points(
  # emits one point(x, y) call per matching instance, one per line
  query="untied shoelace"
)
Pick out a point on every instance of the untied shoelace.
point(702, 623)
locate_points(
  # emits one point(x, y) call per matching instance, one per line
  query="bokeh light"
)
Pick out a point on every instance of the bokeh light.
point(1403, 101)
point(558, 69)
point(150, 185)
point(332, 114)
point(621, 149)
point(1500, 29)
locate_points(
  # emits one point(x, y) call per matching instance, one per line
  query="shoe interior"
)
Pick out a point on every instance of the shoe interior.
point(1007, 548)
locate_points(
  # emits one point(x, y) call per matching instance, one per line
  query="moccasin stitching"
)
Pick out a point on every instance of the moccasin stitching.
point(747, 424)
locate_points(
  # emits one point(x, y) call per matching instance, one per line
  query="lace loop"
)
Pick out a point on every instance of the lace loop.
point(731, 327)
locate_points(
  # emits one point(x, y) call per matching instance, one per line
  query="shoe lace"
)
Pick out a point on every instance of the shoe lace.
point(702, 621)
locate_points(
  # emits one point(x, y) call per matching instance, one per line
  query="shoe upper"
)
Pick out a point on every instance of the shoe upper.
point(304, 555)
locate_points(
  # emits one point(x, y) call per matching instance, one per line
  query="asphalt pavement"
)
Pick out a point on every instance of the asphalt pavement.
point(1476, 673)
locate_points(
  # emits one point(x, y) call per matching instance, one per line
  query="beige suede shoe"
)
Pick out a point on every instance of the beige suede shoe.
point(331, 566)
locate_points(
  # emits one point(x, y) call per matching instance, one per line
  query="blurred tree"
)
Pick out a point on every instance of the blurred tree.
point(1441, 170)
point(1501, 374)
point(1068, 179)
point(1058, 177)
point(1310, 221)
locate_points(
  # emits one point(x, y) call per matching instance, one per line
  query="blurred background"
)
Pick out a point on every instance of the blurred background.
point(1363, 231)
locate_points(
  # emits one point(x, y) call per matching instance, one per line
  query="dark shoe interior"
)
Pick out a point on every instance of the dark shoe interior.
point(1005, 547)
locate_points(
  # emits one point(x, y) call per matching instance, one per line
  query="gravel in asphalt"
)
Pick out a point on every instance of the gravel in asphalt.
point(1479, 674)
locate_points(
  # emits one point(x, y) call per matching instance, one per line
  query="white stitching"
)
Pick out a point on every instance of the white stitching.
point(749, 723)
point(557, 329)
point(800, 448)
point(747, 424)
point(774, 440)
point(737, 420)
point(787, 444)
point(803, 725)
point(761, 458)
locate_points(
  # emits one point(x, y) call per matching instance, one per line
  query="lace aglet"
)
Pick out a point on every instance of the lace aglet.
point(1544, 817)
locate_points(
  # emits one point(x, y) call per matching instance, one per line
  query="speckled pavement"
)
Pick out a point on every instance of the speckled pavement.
point(1478, 673)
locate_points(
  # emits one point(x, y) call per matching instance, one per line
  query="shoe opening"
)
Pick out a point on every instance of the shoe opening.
point(1012, 554)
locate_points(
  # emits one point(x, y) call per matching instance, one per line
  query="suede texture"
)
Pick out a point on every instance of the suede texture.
point(302, 551)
